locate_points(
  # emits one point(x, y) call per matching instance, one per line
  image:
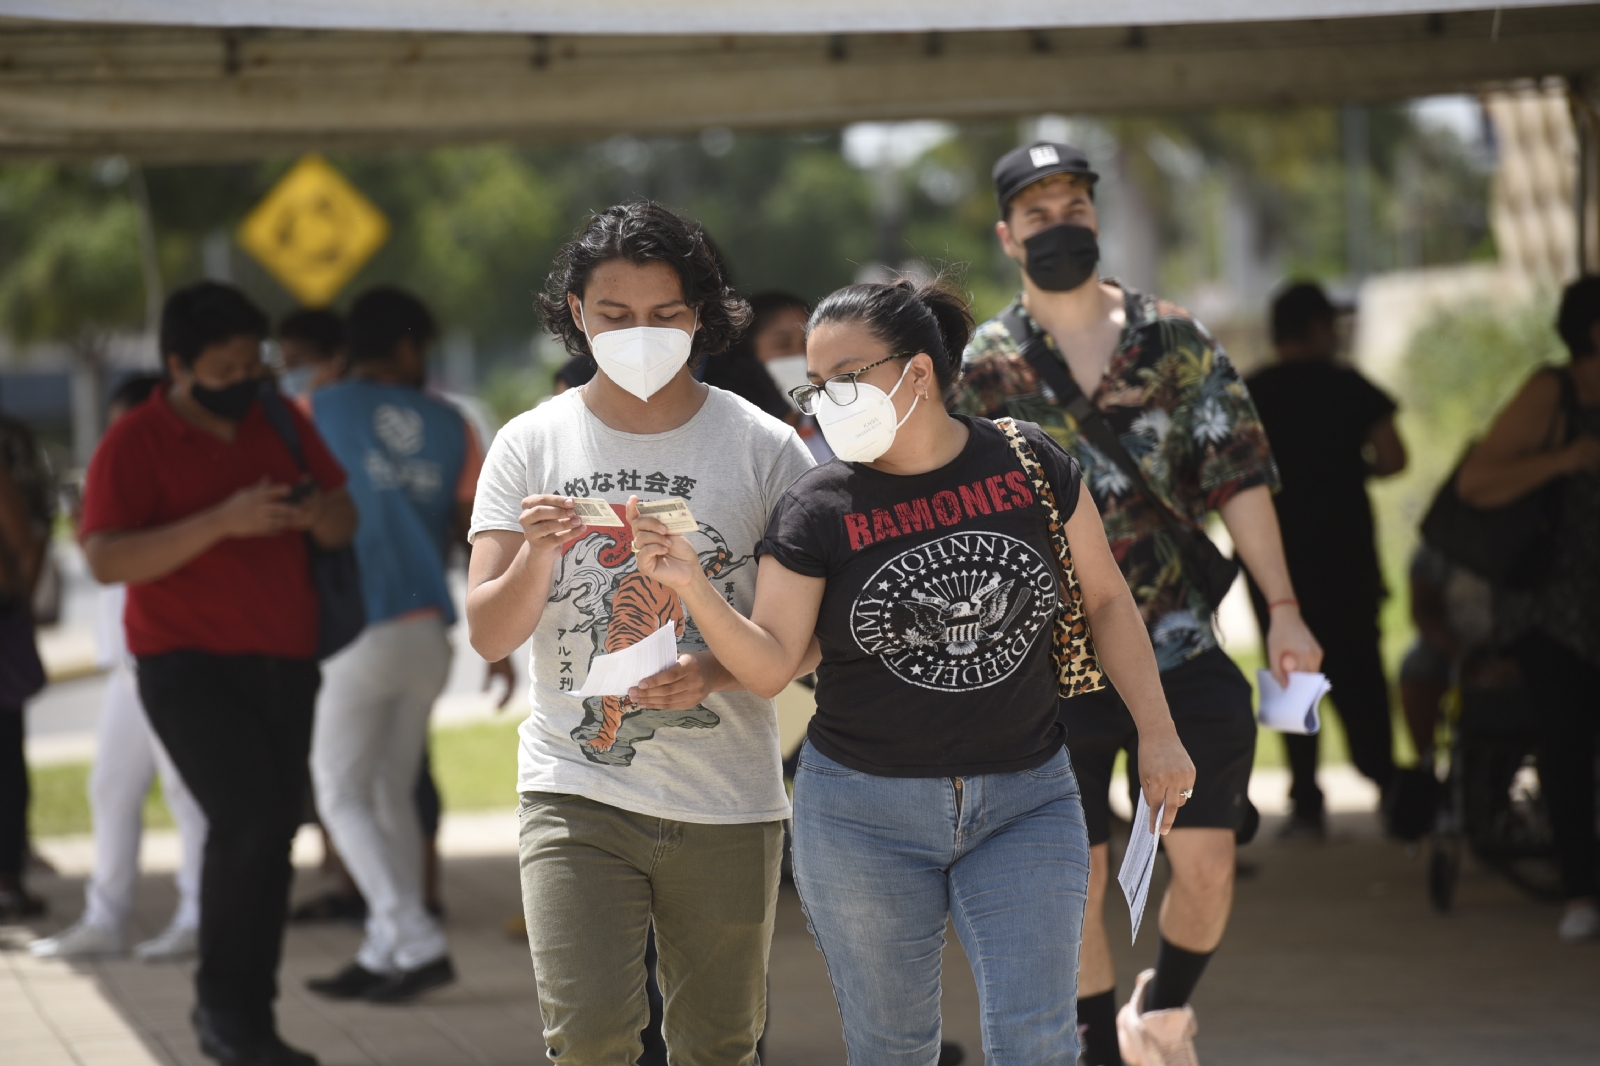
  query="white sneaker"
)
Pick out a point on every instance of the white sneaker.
point(1580, 924)
point(1155, 1037)
point(78, 941)
point(175, 942)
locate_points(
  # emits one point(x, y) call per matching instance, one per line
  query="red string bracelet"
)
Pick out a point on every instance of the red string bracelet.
point(1279, 603)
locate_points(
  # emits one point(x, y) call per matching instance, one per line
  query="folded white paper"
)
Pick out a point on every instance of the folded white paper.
point(616, 673)
point(1292, 709)
point(1139, 862)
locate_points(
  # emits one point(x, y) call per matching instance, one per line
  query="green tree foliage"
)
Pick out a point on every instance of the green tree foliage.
point(71, 255)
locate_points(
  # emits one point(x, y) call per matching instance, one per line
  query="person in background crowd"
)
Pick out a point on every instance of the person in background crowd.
point(1155, 380)
point(128, 756)
point(413, 468)
point(572, 374)
point(664, 805)
point(933, 784)
point(745, 368)
point(27, 514)
point(1549, 436)
point(312, 343)
point(197, 503)
point(1331, 429)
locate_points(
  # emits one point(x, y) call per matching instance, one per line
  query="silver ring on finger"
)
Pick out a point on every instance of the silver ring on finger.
point(1187, 793)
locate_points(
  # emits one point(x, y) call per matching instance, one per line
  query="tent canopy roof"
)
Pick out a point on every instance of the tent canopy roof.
point(211, 79)
point(609, 17)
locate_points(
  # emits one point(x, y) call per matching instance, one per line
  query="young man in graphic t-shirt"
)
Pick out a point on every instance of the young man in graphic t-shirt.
point(1165, 389)
point(663, 805)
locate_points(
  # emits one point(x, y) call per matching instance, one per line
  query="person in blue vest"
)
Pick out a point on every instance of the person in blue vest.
point(413, 467)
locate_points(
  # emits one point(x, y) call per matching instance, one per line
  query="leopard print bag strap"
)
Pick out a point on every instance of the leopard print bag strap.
point(1076, 663)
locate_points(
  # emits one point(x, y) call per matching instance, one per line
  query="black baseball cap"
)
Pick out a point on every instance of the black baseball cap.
point(1021, 167)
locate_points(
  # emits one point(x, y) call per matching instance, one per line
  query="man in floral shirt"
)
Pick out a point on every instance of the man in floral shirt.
point(1178, 408)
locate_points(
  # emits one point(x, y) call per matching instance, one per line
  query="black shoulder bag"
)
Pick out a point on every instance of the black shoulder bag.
point(1206, 568)
point(1510, 545)
point(341, 608)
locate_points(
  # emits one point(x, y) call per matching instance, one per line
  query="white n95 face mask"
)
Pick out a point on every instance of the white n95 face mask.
point(787, 372)
point(641, 359)
point(859, 432)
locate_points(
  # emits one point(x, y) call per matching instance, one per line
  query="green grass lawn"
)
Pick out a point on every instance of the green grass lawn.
point(476, 768)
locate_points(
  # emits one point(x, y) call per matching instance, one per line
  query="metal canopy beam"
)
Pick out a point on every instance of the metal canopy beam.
point(716, 16)
point(204, 93)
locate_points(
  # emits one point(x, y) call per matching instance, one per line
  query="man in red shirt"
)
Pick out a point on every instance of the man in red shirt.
point(197, 503)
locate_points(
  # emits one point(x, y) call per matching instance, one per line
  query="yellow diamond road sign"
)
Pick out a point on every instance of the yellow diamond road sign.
point(313, 231)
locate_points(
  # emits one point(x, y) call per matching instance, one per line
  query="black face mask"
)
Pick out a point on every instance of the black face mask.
point(1062, 257)
point(232, 402)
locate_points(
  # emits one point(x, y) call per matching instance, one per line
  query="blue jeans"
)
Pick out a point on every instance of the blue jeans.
point(881, 862)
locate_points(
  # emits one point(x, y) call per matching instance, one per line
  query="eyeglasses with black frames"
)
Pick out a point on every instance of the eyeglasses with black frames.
point(841, 388)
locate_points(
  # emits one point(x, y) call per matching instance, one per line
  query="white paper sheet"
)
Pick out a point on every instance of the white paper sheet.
point(1139, 863)
point(616, 673)
point(1292, 709)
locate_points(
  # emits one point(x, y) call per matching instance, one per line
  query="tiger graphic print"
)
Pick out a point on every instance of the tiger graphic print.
point(620, 607)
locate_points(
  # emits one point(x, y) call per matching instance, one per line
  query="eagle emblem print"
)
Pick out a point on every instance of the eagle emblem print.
point(957, 613)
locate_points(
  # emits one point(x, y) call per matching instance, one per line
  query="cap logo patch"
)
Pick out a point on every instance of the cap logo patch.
point(1044, 156)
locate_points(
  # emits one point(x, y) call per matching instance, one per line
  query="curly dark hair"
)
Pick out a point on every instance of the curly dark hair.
point(641, 232)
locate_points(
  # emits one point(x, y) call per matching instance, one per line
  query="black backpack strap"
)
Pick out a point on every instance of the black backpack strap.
point(276, 409)
point(1091, 423)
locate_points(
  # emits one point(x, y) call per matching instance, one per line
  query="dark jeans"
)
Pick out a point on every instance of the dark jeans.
point(1352, 662)
point(13, 794)
point(1566, 696)
point(238, 728)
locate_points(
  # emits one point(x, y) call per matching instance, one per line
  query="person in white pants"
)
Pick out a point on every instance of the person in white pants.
point(128, 756)
point(413, 467)
point(366, 749)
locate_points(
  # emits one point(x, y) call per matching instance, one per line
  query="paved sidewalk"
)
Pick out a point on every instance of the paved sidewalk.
point(1334, 958)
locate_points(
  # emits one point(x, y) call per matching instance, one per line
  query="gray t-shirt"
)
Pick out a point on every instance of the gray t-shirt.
point(719, 762)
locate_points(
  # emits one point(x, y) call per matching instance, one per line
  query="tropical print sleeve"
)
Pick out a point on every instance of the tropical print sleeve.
point(1226, 449)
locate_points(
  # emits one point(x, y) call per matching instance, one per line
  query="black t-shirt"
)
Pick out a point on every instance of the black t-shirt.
point(1318, 417)
point(935, 625)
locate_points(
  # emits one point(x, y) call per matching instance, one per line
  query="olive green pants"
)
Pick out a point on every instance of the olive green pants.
point(594, 877)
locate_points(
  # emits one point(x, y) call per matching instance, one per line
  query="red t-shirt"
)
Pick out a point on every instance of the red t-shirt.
point(242, 596)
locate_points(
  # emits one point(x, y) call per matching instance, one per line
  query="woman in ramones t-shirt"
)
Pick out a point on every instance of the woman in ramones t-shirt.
point(933, 782)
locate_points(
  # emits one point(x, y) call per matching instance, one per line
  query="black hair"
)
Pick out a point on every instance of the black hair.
point(383, 317)
point(317, 326)
point(134, 391)
point(1580, 309)
point(764, 308)
point(909, 318)
point(576, 371)
point(207, 313)
point(739, 371)
point(1297, 308)
point(643, 232)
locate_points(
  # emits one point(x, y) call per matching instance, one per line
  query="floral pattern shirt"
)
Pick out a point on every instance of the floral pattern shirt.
point(1181, 410)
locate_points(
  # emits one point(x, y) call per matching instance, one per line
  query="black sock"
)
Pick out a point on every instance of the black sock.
point(1097, 1021)
point(1177, 972)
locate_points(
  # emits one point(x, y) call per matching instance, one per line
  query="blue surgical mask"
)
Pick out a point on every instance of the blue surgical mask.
point(296, 381)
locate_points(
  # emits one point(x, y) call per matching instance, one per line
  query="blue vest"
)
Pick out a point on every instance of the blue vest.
point(403, 451)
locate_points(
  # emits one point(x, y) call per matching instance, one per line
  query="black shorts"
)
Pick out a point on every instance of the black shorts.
point(1210, 703)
